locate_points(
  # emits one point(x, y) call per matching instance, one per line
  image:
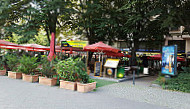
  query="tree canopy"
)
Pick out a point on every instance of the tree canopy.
point(97, 20)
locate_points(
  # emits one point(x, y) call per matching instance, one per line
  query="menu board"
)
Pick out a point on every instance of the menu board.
point(97, 68)
point(111, 63)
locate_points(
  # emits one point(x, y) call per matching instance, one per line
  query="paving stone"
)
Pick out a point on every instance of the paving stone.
point(17, 94)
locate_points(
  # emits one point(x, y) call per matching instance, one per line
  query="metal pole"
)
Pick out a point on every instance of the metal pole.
point(133, 77)
point(99, 56)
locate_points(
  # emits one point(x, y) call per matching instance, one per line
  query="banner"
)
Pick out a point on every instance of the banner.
point(169, 60)
point(78, 44)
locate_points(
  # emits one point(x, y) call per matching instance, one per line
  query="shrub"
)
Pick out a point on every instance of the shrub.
point(12, 61)
point(28, 64)
point(179, 83)
point(82, 72)
point(47, 67)
point(67, 69)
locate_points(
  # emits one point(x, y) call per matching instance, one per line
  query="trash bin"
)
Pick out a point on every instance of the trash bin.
point(120, 72)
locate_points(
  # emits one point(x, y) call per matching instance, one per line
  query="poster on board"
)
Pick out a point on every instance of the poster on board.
point(169, 60)
point(97, 68)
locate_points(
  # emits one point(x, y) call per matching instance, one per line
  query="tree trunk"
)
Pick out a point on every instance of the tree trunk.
point(52, 25)
point(47, 32)
point(133, 61)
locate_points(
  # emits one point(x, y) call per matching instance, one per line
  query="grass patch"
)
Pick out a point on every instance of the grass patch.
point(101, 83)
point(179, 83)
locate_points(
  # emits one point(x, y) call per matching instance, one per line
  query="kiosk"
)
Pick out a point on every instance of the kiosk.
point(110, 68)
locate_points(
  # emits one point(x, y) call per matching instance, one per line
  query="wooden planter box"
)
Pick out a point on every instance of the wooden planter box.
point(2, 72)
point(86, 87)
point(68, 85)
point(14, 75)
point(30, 78)
point(47, 81)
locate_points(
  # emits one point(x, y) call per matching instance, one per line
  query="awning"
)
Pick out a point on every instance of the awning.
point(159, 57)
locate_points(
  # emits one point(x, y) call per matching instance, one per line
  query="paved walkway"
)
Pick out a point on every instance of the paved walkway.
point(17, 94)
point(142, 92)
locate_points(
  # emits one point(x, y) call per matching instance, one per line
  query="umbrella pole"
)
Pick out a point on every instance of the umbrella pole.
point(99, 57)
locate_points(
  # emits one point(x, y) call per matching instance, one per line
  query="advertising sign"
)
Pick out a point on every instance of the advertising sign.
point(112, 63)
point(98, 69)
point(110, 72)
point(78, 44)
point(169, 60)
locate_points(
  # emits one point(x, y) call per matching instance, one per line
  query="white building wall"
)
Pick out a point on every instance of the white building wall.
point(187, 49)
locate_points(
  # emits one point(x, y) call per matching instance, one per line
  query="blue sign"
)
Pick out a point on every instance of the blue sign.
point(169, 60)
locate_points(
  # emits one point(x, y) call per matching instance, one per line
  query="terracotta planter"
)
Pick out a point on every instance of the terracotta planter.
point(47, 81)
point(86, 87)
point(14, 75)
point(2, 72)
point(68, 85)
point(30, 78)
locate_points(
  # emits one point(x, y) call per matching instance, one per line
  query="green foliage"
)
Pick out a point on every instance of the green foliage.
point(179, 83)
point(12, 61)
point(67, 69)
point(26, 17)
point(82, 72)
point(185, 69)
point(1, 67)
point(72, 70)
point(48, 67)
point(28, 64)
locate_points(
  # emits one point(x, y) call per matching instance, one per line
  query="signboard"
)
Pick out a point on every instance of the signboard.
point(112, 63)
point(169, 60)
point(98, 69)
point(110, 72)
point(78, 44)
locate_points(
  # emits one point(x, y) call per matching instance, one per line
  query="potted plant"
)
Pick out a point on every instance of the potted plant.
point(2, 71)
point(67, 71)
point(27, 67)
point(47, 71)
point(12, 62)
point(2, 66)
point(85, 84)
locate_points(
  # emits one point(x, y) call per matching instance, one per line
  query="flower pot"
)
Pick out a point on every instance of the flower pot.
point(86, 87)
point(14, 75)
point(30, 78)
point(68, 85)
point(2, 72)
point(47, 81)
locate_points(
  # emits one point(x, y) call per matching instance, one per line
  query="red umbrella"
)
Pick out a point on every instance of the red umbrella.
point(52, 53)
point(100, 47)
point(35, 47)
point(8, 45)
point(58, 48)
point(117, 54)
point(159, 57)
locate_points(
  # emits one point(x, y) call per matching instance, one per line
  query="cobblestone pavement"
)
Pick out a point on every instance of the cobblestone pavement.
point(17, 94)
point(142, 92)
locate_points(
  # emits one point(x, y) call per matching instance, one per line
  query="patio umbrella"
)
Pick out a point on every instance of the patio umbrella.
point(100, 47)
point(58, 48)
point(8, 45)
point(159, 57)
point(117, 54)
point(35, 47)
